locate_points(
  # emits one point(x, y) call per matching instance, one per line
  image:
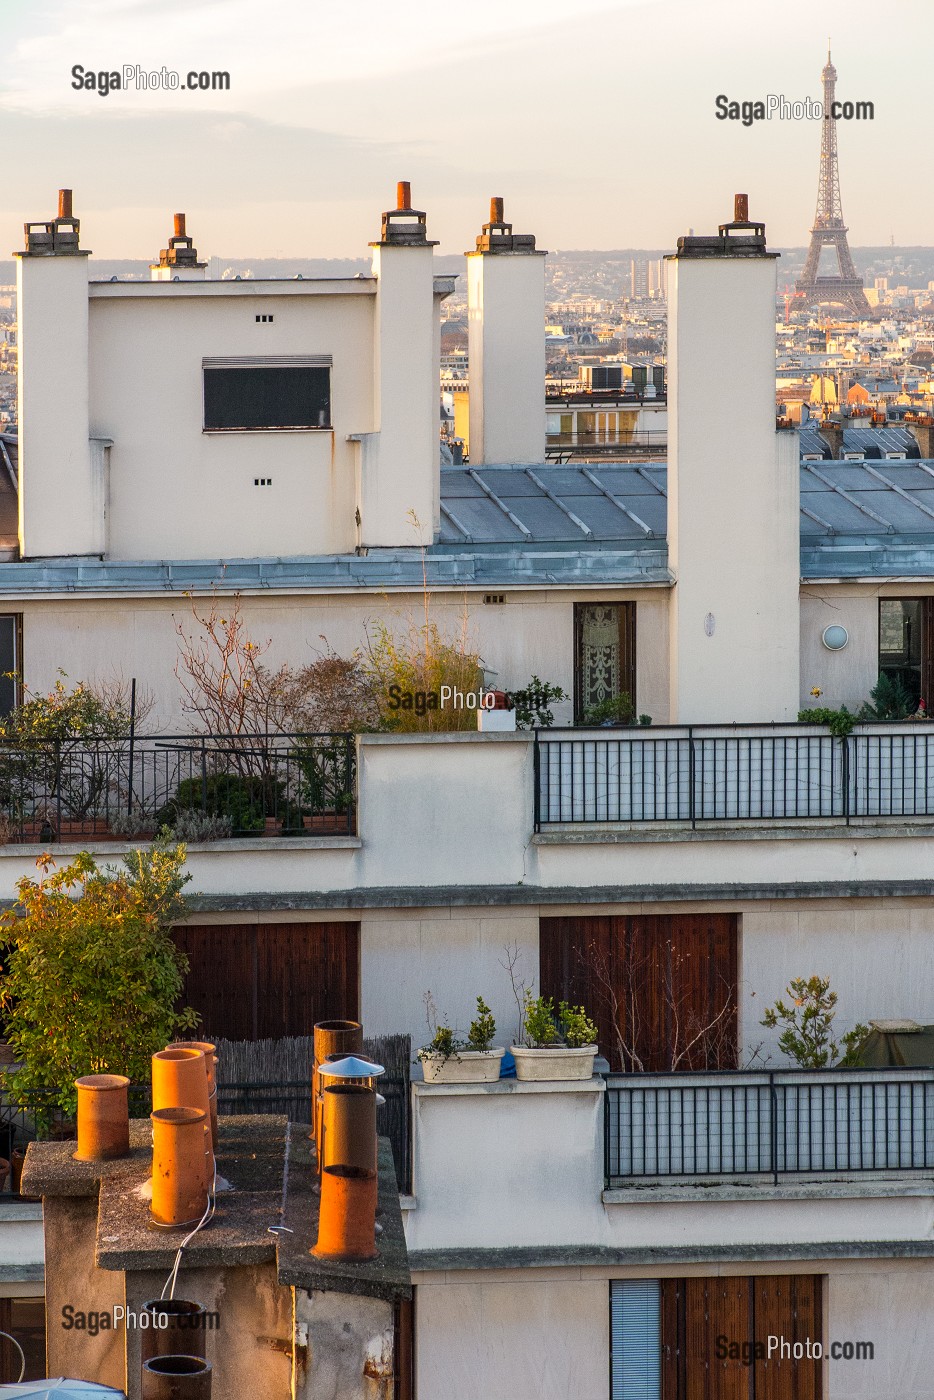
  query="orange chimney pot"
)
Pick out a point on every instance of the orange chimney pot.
point(404, 194)
point(179, 1192)
point(103, 1117)
point(64, 204)
point(331, 1038)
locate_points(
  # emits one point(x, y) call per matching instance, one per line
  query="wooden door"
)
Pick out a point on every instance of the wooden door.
point(787, 1306)
point(714, 1335)
point(252, 981)
point(662, 988)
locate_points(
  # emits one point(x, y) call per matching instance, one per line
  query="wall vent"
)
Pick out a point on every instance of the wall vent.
point(494, 597)
point(265, 318)
point(262, 481)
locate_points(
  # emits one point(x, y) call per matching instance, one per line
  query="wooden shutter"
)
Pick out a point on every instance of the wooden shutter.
point(651, 982)
point(788, 1306)
point(252, 981)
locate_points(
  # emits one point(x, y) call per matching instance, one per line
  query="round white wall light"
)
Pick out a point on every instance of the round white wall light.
point(835, 637)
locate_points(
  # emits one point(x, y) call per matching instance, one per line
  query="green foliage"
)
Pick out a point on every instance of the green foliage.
point(419, 661)
point(807, 1036)
point(888, 700)
point(245, 800)
point(839, 722)
point(443, 1043)
point(576, 1026)
point(93, 976)
point(533, 703)
point(86, 712)
point(616, 709)
point(482, 1030)
point(645, 721)
point(539, 1024)
point(327, 776)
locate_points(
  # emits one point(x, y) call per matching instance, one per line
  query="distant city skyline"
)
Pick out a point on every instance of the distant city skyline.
point(598, 128)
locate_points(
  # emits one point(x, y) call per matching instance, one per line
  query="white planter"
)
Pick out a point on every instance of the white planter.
point(496, 721)
point(466, 1067)
point(554, 1062)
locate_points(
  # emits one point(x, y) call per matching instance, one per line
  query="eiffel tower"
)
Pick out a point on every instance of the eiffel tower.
point(846, 288)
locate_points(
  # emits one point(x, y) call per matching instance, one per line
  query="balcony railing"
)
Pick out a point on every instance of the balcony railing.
point(205, 785)
point(782, 1124)
point(717, 773)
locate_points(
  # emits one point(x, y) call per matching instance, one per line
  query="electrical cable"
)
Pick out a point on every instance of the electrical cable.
point(206, 1217)
point(22, 1354)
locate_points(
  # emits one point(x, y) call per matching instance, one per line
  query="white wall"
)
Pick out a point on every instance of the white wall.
point(178, 492)
point(514, 1334)
point(733, 523)
point(533, 632)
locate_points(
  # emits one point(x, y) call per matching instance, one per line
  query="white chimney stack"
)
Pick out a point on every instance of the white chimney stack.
point(400, 463)
point(506, 344)
point(733, 525)
point(60, 486)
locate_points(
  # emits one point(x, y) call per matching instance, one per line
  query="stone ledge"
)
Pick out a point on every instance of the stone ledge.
point(430, 1261)
point(670, 833)
point(699, 1194)
point(594, 1085)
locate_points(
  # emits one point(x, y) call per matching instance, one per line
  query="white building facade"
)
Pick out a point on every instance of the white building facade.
point(185, 440)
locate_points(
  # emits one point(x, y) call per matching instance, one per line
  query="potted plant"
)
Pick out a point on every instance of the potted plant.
point(555, 1046)
point(447, 1060)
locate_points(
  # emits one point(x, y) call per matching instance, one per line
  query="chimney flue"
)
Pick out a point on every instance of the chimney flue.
point(741, 208)
point(496, 209)
point(64, 204)
point(404, 194)
point(179, 221)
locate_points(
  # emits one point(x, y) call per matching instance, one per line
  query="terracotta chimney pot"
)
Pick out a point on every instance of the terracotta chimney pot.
point(404, 194)
point(331, 1038)
point(179, 1193)
point(176, 1378)
point(103, 1117)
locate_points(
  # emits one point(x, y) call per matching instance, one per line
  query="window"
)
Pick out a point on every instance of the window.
point(699, 1337)
point(605, 654)
point(906, 654)
point(24, 1319)
point(11, 632)
point(245, 396)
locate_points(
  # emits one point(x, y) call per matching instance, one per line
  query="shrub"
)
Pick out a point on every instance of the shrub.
point(327, 771)
point(617, 709)
point(807, 1036)
point(533, 703)
point(93, 976)
point(839, 722)
point(482, 1030)
point(538, 1022)
point(194, 827)
point(888, 701)
point(244, 801)
point(414, 663)
point(576, 1026)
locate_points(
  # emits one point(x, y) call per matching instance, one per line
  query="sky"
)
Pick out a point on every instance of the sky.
point(595, 120)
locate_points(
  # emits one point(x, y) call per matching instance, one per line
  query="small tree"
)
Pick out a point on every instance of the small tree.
point(807, 1036)
point(93, 976)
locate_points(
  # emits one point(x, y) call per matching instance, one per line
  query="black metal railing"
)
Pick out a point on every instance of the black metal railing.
point(709, 773)
point(747, 1124)
point(201, 786)
point(35, 1117)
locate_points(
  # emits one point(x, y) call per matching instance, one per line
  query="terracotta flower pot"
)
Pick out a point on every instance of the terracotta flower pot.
point(103, 1117)
point(179, 1191)
point(4, 1172)
point(327, 824)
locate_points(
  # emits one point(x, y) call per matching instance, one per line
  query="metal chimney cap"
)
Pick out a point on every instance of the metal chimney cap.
point(351, 1067)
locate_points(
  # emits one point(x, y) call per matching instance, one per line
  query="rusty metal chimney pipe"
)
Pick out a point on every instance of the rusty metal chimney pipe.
point(496, 209)
point(349, 1183)
point(176, 1378)
point(741, 208)
point(179, 220)
point(404, 194)
point(64, 204)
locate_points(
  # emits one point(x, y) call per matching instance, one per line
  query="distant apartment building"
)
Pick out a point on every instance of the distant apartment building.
point(671, 853)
